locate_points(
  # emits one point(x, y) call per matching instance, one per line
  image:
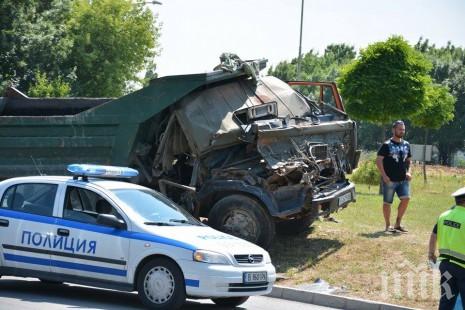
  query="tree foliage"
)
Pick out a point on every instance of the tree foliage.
point(449, 71)
point(97, 47)
point(386, 82)
point(439, 108)
point(32, 38)
point(44, 87)
point(113, 41)
point(315, 67)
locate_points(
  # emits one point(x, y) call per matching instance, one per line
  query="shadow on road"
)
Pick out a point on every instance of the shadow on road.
point(301, 251)
point(71, 296)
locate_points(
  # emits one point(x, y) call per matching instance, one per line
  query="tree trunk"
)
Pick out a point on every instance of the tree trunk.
point(448, 159)
point(424, 156)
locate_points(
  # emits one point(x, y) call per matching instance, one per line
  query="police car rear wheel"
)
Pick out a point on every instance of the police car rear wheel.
point(161, 285)
point(230, 301)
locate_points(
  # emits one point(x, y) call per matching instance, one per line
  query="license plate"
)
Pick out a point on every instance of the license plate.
point(345, 198)
point(252, 277)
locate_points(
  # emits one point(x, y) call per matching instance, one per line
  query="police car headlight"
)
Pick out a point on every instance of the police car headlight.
point(209, 257)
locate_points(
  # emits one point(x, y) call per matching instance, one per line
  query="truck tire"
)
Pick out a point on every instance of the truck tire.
point(243, 217)
point(295, 226)
point(230, 302)
point(160, 285)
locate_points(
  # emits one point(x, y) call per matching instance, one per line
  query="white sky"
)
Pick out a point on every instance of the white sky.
point(196, 32)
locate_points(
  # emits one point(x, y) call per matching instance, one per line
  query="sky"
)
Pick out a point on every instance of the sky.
point(194, 33)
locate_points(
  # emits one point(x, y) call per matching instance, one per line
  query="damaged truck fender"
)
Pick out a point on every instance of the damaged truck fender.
point(217, 189)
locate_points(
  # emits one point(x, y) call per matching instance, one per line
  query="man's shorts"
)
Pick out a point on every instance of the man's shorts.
point(402, 189)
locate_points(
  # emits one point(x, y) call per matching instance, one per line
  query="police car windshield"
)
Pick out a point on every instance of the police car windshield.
point(154, 208)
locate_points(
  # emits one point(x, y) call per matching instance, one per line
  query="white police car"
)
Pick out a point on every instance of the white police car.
point(119, 235)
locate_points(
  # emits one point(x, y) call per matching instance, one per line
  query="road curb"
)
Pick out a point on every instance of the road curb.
point(328, 300)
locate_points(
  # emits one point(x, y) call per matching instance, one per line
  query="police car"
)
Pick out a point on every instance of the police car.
point(112, 234)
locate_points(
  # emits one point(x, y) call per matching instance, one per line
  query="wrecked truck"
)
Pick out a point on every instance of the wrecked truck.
point(247, 153)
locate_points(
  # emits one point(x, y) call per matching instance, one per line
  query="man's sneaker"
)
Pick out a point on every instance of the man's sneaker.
point(401, 229)
point(390, 230)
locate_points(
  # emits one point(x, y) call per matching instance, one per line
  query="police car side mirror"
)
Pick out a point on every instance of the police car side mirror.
point(110, 220)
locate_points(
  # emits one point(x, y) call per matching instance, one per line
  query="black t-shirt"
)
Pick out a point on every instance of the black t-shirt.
point(395, 156)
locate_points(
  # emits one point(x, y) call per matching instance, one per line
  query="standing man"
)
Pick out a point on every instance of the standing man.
point(449, 233)
point(393, 163)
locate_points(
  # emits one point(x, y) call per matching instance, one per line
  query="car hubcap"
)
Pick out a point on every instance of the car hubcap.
point(159, 285)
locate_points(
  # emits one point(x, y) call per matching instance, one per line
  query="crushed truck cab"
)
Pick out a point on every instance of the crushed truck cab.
point(250, 153)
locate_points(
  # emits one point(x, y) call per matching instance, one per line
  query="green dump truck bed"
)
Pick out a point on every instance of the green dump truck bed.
point(43, 135)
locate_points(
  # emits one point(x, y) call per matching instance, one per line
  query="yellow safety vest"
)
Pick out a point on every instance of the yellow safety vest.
point(451, 235)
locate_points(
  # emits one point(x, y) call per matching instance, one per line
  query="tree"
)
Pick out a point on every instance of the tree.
point(338, 55)
point(113, 41)
point(44, 87)
point(150, 74)
point(449, 71)
point(315, 67)
point(439, 110)
point(451, 137)
point(32, 38)
point(285, 70)
point(388, 81)
point(97, 47)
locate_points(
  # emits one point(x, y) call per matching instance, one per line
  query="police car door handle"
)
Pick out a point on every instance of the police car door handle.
point(63, 232)
point(4, 222)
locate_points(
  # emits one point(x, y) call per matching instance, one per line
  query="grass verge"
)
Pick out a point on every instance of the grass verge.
point(358, 256)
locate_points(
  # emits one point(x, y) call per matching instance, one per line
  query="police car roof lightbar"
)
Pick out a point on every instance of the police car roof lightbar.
point(86, 170)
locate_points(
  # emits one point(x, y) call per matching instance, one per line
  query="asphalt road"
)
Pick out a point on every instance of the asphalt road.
point(31, 294)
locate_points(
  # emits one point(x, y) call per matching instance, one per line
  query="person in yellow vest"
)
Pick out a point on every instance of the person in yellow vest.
point(449, 235)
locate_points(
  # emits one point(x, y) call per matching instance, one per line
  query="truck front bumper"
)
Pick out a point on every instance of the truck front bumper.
point(335, 198)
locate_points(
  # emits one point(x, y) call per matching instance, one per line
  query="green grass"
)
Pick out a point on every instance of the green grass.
point(356, 254)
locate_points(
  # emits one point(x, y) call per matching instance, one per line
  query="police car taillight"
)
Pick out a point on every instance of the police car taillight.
point(86, 170)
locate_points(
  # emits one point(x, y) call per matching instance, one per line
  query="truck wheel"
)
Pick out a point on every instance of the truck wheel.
point(295, 226)
point(160, 285)
point(243, 217)
point(230, 301)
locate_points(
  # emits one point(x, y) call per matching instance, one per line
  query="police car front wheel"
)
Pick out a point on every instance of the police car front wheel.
point(160, 285)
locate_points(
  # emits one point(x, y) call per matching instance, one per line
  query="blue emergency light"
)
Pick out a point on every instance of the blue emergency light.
point(86, 170)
